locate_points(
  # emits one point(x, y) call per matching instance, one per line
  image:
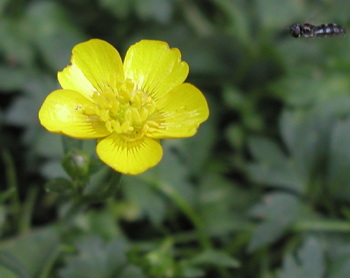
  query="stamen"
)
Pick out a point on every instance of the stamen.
point(125, 110)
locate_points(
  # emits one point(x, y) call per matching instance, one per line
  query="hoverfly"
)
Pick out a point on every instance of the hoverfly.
point(320, 31)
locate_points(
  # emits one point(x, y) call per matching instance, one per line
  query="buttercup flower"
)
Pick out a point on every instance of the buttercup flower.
point(127, 106)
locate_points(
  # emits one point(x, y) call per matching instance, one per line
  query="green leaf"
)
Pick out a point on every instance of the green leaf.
point(339, 161)
point(49, 145)
point(215, 258)
point(174, 171)
point(339, 257)
point(130, 271)
point(12, 78)
point(273, 167)
point(266, 233)
point(278, 206)
point(272, 14)
point(52, 169)
point(196, 151)
point(33, 250)
point(119, 8)
point(102, 223)
point(279, 176)
point(303, 89)
point(222, 204)
point(340, 268)
point(11, 263)
point(309, 262)
point(57, 36)
point(95, 258)
point(15, 42)
point(306, 142)
point(266, 151)
point(150, 204)
point(21, 112)
point(158, 262)
point(159, 10)
point(279, 211)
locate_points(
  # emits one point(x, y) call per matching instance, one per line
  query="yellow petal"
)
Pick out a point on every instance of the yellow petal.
point(154, 67)
point(129, 157)
point(95, 65)
point(61, 113)
point(181, 112)
point(72, 78)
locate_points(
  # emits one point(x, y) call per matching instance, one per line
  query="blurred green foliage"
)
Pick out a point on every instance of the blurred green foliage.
point(263, 189)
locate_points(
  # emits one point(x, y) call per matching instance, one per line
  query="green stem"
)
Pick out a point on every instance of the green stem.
point(335, 226)
point(82, 201)
point(111, 190)
point(7, 195)
point(26, 211)
point(10, 173)
point(50, 263)
point(185, 207)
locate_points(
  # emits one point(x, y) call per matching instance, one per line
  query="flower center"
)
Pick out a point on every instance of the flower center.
point(125, 110)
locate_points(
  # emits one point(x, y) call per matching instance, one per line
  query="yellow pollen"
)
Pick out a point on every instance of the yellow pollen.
point(125, 110)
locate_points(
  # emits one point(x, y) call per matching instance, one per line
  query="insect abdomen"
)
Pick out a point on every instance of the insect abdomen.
point(329, 30)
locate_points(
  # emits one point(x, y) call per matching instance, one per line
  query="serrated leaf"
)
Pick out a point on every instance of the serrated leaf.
point(278, 206)
point(216, 207)
point(266, 233)
point(279, 211)
point(280, 176)
point(95, 258)
point(272, 167)
point(309, 262)
point(305, 145)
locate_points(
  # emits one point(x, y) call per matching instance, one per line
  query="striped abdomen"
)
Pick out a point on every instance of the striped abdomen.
point(329, 30)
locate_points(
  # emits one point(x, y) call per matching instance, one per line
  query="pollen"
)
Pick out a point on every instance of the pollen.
point(126, 110)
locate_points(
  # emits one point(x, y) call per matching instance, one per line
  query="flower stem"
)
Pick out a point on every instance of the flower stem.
point(27, 210)
point(185, 207)
point(10, 172)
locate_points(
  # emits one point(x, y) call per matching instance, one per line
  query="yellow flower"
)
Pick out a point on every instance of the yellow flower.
point(127, 106)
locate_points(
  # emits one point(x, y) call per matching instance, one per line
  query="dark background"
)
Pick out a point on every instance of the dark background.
point(263, 189)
